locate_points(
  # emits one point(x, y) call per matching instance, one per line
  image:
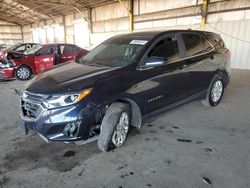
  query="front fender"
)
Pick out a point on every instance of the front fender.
point(136, 120)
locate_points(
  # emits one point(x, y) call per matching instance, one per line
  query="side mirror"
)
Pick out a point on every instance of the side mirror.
point(155, 61)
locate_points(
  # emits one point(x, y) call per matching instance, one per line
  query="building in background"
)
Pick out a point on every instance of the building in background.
point(231, 19)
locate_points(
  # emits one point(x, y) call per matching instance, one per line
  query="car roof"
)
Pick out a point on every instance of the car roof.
point(26, 43)
point(56, 44)
point(152, 34)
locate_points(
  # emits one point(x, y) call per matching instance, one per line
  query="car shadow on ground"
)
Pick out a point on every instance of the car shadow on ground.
point(32, 153)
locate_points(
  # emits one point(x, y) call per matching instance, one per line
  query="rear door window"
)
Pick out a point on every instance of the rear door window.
point(77, 49)
point(67, 49)
point(167, 49)
point(195, 44)
point(49, 50)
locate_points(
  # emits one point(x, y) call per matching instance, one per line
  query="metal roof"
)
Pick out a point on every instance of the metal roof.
point(22, 12)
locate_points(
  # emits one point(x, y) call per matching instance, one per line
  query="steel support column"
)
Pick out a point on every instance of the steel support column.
point(130, 11)
point(81, 13)
point(65, 29)
point(204, 14)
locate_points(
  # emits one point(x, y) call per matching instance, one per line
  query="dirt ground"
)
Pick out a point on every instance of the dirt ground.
point(193, 146)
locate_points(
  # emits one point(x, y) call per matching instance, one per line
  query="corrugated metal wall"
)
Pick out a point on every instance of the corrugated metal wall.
point(236, 35)
point(225, 17)
point(10, 33)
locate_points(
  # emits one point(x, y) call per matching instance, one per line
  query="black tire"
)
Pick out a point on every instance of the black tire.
point(23, 69)
point(109, 124)
point(209, 98)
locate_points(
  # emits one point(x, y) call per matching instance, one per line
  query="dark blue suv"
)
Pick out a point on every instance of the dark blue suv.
point(123, 82)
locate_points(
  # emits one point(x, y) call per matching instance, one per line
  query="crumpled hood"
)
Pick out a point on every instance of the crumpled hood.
point(66, 78)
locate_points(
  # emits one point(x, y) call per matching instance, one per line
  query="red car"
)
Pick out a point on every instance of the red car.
point(38, 59)
point(20, 47)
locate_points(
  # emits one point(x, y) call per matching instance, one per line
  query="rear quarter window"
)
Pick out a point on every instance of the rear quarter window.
point(195, 44)
point(216, 40)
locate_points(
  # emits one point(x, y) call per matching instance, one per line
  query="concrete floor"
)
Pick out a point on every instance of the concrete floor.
point(216, 152)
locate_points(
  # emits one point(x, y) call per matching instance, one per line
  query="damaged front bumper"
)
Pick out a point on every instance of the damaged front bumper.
point(71, 123)
point(7, 73)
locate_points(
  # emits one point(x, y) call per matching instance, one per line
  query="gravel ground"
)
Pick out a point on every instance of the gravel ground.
point(193, 146)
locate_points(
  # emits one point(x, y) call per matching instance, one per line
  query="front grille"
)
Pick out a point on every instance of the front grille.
point(31, 105)
point(34, 97)
point(30, 110)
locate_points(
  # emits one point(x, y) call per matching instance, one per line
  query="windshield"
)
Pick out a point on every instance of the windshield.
point(33, 50)
point(115, 52)
point(12, 48)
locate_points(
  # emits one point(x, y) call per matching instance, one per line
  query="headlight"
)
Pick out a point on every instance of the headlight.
point(65, 100)
point(6, 64)
point(2, 65)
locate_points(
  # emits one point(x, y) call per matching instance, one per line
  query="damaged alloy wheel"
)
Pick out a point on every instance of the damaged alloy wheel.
point(115, 126)
point(121, 130)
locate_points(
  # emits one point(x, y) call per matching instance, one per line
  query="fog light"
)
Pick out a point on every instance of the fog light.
point(71, 129)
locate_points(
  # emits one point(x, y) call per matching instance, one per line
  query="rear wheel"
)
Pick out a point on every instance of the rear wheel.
point(215, 92)
point(23, 73)
point(115, 126)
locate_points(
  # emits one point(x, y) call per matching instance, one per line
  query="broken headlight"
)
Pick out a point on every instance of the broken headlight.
point(57, 101)
point(6, 64)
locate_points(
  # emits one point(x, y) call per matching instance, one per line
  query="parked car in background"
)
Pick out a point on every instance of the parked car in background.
point(81, 53)
point(3, 46)
point(21, 47)
point(38, 59)
point(123, 82)
point(4, 65)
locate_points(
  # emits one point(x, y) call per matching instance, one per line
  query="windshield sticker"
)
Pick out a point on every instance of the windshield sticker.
point(139, 42)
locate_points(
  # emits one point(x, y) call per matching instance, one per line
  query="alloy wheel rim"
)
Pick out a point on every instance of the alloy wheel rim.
point(23, 73)
point(217, 91)
point(121, 130)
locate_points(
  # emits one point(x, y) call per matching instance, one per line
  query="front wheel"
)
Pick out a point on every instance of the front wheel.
point(115, 126)
point(23, 73)
point(215, 92)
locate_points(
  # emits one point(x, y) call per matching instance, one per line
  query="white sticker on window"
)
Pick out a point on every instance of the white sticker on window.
point(139, 42)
